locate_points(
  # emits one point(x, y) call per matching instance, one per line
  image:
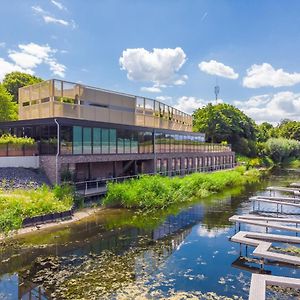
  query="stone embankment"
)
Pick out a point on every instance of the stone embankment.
point(21, 178)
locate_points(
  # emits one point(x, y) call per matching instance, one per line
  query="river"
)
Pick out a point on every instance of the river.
point(118, 254)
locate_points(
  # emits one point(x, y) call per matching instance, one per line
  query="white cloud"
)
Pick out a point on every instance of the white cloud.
point(28, 57)
point(7, 67)
point(25, 60)
point(49, 19)
point(159, 67)
point(272, 108)
point(189, 104)
point(265, 75)
point(2, 44)
point(38, 10)
point(213, 67)
point(151, 89)
point(57, 68)
point(58, 5)
point(40, 51)
point(211, 233)
point(181, 81)
point(164, 98)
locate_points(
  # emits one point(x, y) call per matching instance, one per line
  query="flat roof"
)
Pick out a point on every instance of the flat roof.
point(80, 122)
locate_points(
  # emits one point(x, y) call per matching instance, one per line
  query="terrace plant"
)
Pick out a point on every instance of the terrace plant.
point(13, 140)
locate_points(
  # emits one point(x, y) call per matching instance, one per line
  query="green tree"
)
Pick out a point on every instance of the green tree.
point(289, 129)
point(264, 131)
point(8, 108)
point(224, 122)
point(280, 149)
point(15, 80)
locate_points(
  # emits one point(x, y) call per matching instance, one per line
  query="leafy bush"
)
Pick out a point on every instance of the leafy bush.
point(19, 204)
point(280, 149)
point(11, 139)
point(157, 192)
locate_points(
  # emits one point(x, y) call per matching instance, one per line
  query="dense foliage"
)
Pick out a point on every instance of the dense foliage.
point(279, 149)
point(13, 140)
point(8, 108)
point(224, 122)
point(19, 204)
point(159, 192)
point(15, 80)
point(289, 129)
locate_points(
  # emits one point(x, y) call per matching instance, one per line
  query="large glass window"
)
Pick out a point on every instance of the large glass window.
point(77, 140)
point(97, 140)
point(120, 141)
point(127, 137)
point(112, 141)
point(158, 165)
point(66, 138)
point(87, 140)
point(44, 139)
point(134, 142)
point(105, 141)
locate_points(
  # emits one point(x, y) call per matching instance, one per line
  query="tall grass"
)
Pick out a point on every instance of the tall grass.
point(158, 192)
point(19, 204)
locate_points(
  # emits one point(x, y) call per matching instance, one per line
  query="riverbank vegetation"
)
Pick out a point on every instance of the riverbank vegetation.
point(149, 192)
point(16, 205)
point(260, 145)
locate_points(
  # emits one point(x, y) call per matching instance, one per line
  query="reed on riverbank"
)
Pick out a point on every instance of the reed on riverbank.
point(19, 204)
point(149, 192)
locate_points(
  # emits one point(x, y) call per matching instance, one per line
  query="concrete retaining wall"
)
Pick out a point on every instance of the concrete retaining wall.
point(20, 162)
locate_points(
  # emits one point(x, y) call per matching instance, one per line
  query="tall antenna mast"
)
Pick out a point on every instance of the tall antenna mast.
point(217, 90)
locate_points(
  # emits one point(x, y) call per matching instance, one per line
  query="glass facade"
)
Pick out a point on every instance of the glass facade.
point(86, 140)
point(170, 142)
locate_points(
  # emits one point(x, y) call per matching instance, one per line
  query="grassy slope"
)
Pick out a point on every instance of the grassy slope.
point(19, 204)
point(158, 192)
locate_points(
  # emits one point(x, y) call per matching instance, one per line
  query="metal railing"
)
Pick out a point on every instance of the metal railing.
point(100, 184)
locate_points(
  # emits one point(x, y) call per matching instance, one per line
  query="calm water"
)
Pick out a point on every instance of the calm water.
point(120, 255)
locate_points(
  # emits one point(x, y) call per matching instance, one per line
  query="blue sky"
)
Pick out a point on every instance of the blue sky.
point(172, 50)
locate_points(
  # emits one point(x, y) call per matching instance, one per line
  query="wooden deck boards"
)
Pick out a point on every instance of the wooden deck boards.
point(259, 283)
point(264, 223)
point(262, 242)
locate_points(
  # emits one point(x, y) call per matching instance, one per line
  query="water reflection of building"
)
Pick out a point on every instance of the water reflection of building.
point(160, 244)
point(30, 291)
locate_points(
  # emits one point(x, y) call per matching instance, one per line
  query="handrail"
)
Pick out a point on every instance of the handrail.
point(103, 181)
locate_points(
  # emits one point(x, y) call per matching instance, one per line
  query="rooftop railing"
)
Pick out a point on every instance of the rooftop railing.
point(57, 98)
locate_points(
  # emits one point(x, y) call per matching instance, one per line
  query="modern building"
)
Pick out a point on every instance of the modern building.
point(94, 134)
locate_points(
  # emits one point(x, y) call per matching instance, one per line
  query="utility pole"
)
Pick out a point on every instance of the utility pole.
point(217, 91)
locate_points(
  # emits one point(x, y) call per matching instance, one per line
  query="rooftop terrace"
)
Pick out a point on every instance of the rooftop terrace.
point(57, 98)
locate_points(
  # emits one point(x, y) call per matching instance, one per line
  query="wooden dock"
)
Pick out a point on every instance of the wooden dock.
point(93, 191)
point(262, 242)
point(267, 222)
point(282, 189)
point(259, 283)
point(279, 198)
point(278, 203)
point(295, 185)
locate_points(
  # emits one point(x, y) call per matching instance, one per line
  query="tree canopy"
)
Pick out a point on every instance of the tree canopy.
point(289, 129)
point(15, 80)
point(224, 122)
point(8, 108)
point(265, 131)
